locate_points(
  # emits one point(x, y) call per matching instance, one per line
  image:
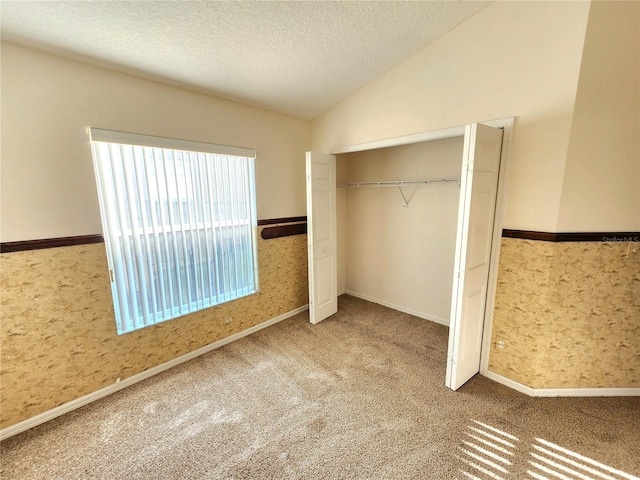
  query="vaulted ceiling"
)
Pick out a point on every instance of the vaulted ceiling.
point(297, 58)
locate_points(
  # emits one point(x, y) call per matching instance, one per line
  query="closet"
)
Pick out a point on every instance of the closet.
point(396, 240)
point(410, 223)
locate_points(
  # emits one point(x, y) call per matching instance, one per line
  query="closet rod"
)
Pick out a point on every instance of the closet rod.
point(399, 183)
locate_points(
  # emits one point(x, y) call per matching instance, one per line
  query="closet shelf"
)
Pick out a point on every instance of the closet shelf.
point(399, 184)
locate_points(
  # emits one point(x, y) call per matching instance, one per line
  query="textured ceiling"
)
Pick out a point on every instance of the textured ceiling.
point(298, 58)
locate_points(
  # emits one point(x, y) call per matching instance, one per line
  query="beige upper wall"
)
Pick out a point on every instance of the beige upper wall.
point(512, 58)
point(601, 190)
point(48, 184)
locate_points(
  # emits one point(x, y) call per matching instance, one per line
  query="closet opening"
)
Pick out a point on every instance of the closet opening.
point(413, 223)
point(396, 244)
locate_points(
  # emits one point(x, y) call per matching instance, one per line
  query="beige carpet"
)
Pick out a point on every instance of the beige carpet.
point(360, 395)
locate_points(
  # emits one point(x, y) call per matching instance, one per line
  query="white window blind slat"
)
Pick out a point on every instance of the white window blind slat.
point(129, 314)
point(234, 248)
point(105, 196)
point(152, 191)
point(175, 246)
point(222, 245)
point(246, 234)
point(203, 270)
point(207, 214)
point(179, 227)
point(170, 251)
point(152, 271)
point(241, 251)
point(183, 257)
point(195, 233)
point(214, 237)
point(252, 232)
point(183, 266)
point(139, 260)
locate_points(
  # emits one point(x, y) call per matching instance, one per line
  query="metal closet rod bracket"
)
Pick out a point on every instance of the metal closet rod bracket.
point(406, 202)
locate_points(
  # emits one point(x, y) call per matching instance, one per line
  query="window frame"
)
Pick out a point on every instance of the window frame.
point(127, 320)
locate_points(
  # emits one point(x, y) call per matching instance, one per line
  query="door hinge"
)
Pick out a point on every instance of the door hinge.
point(111, 275)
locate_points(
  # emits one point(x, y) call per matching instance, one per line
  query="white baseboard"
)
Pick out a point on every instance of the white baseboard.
point(563, 392)
point(103, 392)
point(507, 382)
point(431, 318)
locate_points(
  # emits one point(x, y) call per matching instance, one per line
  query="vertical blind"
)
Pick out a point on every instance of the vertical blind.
point(179, 223)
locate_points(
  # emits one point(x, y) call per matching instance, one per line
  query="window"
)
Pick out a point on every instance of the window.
point(179, 223)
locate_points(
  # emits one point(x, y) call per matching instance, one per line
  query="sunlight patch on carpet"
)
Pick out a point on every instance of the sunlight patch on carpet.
point(491, 453)
point(562, 463)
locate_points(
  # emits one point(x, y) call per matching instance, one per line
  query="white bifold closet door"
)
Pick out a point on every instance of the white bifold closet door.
point(476, 212)
point(321, 236)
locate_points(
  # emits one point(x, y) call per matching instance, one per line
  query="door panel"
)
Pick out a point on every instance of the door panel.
point(323, 291)
point(322, 220)
point(476, 212)
point(321, 235)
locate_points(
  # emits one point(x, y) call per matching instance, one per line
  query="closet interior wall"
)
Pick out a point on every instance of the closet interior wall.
point(400, 256)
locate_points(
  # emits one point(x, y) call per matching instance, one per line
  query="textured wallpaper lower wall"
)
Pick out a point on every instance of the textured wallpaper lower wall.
point(568, 314)
point(58, 332)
